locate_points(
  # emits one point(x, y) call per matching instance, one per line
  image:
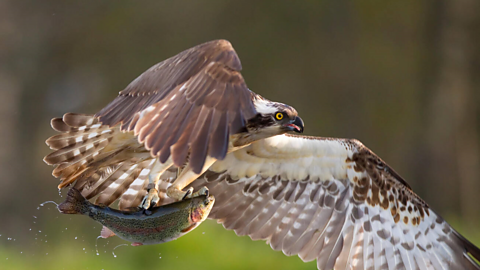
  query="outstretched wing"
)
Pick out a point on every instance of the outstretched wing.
point(332, 200)
point(186, 105)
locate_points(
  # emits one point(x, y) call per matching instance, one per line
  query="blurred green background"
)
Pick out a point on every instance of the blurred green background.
point(400, 76)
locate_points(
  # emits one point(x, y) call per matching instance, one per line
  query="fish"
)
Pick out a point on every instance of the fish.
point(144, 226)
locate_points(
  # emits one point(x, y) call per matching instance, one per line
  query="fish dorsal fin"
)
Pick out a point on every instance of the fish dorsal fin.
point(106, 232)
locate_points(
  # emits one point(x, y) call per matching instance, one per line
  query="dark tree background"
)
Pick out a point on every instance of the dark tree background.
point(401, 76)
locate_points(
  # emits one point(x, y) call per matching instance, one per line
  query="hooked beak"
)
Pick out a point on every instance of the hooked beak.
point(295, 125)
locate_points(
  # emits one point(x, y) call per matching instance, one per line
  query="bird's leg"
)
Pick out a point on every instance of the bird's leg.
point(152, 198)
point(187, 176)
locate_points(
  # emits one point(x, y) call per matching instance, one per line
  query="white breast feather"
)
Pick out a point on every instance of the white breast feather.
point(283, 155)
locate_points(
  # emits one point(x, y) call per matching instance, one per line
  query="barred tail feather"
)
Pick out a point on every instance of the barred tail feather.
point(81, 141)
point(109, 183)
point(102, 162)
point(86, 149)
point(101, 178)
point(134, 194)
point(121, 182)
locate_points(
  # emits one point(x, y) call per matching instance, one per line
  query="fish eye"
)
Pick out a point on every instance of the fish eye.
point(279, 116)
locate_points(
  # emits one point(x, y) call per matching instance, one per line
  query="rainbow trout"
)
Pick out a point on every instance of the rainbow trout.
point(144, 227)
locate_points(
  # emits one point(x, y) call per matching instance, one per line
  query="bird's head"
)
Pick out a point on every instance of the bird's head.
point(274, 118)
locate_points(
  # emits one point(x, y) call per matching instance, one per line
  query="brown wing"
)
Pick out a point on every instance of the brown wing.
point(332, 200)
point(186, 105)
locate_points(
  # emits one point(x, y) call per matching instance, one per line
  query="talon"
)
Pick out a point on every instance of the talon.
point(144, 202)
point(188, 194)
point(155, 200)
point(150, 199)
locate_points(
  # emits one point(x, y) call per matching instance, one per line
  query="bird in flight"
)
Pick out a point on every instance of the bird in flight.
point(190, 126)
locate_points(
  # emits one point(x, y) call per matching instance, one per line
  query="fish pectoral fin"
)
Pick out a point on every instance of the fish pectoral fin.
point(106, 232)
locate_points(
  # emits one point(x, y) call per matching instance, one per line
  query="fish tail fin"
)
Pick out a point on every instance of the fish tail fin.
point(74, 203)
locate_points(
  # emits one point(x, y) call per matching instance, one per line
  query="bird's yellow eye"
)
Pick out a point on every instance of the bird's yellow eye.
point(279, 116)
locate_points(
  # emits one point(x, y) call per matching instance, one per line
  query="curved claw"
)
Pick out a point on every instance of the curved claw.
point(188, 194)
point(151, 199)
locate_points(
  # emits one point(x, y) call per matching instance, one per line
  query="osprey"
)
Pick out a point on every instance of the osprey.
point(190, 123)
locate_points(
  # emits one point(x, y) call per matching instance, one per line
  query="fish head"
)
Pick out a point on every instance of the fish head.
point(200, 208)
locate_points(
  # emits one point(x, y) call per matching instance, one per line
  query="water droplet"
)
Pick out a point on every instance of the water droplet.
point(42, 204)
point(83, 248)
point(96, 246)
point(34, 217)
point(203, 232)
point(113, 251)
point(159, 257)
point(46, 253)
point(75, 238)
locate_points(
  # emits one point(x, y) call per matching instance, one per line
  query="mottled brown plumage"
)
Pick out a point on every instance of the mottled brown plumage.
point(332, 200)
point(188, 111)
point(327, 199)
point(187, 105)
